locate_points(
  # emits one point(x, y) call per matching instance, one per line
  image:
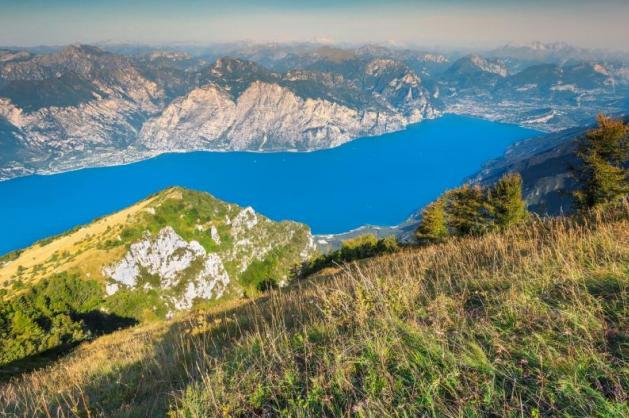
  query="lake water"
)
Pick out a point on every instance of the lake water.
point(378, 180)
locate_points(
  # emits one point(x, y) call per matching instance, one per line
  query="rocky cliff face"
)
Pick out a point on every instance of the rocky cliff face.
point(69, 103)
point(168, 257)
point(264, 117)
point(236, 250)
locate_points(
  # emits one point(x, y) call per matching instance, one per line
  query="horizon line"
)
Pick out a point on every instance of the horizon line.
point(341, 44)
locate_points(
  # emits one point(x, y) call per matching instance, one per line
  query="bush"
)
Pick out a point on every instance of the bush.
point(433, 226)
point(46, 316)
point(363, 246)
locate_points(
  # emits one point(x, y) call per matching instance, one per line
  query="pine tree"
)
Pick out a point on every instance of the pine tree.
point(433, 225)
point(466, 211)
point(604, 152)
point(609, 140)
point(505, 201)
point(473, 210)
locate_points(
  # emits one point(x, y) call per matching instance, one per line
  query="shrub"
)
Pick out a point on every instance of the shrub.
point(47, 315)
point(363, 246)
point(433, 226)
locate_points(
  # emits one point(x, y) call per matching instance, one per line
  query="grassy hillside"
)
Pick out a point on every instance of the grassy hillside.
point(530, 322)
point(177, 250)
point(86, 250)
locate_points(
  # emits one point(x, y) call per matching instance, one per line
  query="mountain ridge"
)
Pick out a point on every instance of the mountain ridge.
point(175, 247)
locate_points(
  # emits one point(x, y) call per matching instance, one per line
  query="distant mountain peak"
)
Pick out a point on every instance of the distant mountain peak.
point(478, 63)
point(171, 55)
point(539, 45)
point(7, 55)
point(379, 65)
point(227, 65)
point(83, 49)
point(436, 58)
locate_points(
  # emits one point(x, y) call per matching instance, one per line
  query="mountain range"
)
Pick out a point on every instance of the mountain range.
point(82, 105)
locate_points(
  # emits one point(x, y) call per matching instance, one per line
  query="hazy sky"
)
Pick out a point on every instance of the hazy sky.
point(456, 23)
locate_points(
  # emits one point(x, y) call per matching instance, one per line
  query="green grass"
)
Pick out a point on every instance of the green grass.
point(529, 322)
point(143, 305)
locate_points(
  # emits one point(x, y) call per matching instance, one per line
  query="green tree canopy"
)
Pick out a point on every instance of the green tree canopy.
point(474, 210)
point(603, 175)
point(433, 225)
point(505, 201)
point(466, 211)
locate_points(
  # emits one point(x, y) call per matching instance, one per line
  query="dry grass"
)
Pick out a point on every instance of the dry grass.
point(74, 251)
point(532, 322)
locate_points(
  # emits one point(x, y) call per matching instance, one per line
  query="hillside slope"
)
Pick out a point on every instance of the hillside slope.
point(532, 322)
point(174, 247)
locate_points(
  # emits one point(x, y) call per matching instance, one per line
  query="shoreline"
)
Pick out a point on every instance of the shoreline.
point(154, 154)
point(381, 230)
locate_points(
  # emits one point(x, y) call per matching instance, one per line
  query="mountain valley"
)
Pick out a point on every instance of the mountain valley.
point(83, 106)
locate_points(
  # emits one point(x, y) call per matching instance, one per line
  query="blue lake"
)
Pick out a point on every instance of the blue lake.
point(378, 180)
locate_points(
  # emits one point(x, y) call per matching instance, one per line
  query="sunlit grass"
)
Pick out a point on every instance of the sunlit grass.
point(530, 322)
